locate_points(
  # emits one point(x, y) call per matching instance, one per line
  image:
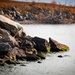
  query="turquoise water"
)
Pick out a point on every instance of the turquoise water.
point(52, 65)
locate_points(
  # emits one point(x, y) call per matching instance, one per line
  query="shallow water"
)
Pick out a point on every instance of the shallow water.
point(52, 65)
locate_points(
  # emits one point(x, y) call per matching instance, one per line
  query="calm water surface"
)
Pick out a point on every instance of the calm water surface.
point(52, 65)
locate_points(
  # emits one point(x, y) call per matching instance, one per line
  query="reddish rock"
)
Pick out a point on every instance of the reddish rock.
point(56, 46)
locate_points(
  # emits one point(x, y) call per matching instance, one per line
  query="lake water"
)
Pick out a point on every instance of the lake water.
point(52, 65)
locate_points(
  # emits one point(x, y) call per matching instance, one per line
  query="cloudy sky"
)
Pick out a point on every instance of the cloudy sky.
point(67, 2)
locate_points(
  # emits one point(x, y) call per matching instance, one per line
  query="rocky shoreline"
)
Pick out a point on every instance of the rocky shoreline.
point(16, 45)
point(31, 13)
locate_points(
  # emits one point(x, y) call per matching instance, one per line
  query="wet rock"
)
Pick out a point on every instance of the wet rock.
point(56, 46)
point(41, 44)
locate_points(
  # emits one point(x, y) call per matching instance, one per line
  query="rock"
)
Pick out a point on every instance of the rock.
point(13, 9)
point(30, 51)
point(1, 62)
point(41, 55)
point(56, 46)
point(27, 42)
point(39, 62)
point(30, 16)
point(1, 12)
point(18, 16)
point(31, 57)
point(16, 53)
point(13, 14)
point(6, 37)
point(60, 56)
point(5, 47)
point(14, 27)
point(56, 12)
point(49, 20)
point(41, 44)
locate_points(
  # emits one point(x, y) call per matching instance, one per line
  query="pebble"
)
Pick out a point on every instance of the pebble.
point(60, 56)
point(39, 62)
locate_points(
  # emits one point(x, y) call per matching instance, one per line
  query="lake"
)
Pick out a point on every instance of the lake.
point(52, 65)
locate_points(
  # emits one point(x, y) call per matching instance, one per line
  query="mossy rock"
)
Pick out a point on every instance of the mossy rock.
point(41, 55)
point(48, 49)
point(56, 46)
point(66, 48)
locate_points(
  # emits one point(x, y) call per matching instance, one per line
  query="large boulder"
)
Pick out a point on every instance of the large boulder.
point(41, 44)
point(56, 46)
point(14, 28)
point(6, 37)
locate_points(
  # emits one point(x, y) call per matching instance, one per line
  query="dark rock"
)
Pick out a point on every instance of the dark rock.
point(31, 57)
point(13, 14)
point(5, 47)
point(60, 56)
point(56, 12)
point(1, 62)
point(30, 16)
point(18, 16)
point(31, 54)
point(10, 62)
point(39, 62)
point(41, 44)
point(41, 55)
point(66, 14)
point(56, 46)
point(47, 12)
point(49, 20)
point(13, 9)
point(27, 42)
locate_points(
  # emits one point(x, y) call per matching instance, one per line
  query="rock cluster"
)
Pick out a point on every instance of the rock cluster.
point(15, 45)
point(39, 15)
